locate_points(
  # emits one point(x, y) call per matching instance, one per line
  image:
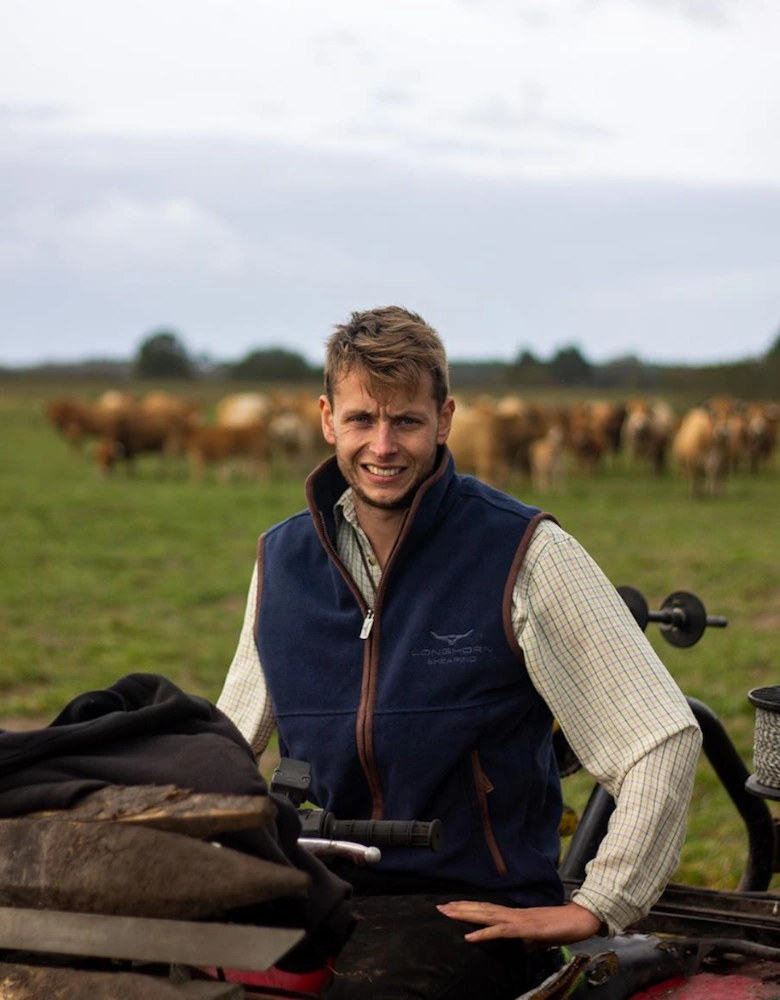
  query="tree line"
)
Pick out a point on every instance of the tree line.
point(163, 354)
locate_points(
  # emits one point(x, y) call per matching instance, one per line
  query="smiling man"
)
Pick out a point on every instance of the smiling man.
point(412, 633)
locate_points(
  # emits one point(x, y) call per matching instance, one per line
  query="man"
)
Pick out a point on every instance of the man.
point(412, 634)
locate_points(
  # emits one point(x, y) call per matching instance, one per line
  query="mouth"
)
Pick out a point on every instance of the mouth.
point(384, 472)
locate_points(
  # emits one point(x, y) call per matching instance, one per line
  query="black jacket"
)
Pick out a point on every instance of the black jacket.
point(144, 730)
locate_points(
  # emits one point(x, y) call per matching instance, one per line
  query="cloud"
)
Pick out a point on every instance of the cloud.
point(32, 115)
point(714, 12)
point(393, 96)
point(532, 13)
point(239, 244)
point(500, 115)
point(119, 234)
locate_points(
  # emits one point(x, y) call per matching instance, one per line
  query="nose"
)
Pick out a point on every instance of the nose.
point(384, 443)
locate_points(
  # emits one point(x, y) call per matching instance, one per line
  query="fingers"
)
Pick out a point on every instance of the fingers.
point(500, 921)
point(494, 932)
point(478, 913)
point(545, 924)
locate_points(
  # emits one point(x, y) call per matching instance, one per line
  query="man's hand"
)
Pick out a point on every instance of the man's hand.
point(545, 924)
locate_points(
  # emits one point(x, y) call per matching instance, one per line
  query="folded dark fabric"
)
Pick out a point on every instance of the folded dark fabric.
point(144, 730)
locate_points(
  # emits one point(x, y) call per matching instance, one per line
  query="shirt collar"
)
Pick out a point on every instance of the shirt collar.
point(345, 508)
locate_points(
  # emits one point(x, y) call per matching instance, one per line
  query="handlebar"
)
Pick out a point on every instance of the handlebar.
point(318, 823)
point(324, 834)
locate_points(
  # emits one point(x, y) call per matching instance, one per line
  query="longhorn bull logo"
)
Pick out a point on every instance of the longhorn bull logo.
point(451, 639)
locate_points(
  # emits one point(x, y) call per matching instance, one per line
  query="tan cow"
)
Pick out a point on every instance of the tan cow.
point(116, 401)
point(647, 432)
point(476, 442)
point(548, 459)
point(701, 449)
point(293, 442)
point(165, 404)
point(244, 409)
point(305, 405)
point(491, 440)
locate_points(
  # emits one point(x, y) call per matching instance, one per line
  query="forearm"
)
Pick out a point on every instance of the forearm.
point(641, 850)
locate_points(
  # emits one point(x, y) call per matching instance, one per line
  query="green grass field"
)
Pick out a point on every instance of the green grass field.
point(101, 578)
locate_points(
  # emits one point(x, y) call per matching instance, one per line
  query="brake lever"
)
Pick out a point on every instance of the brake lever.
point(323, 848)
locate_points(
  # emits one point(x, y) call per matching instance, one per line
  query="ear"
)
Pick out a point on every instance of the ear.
point(326, 414)
point(445, 420)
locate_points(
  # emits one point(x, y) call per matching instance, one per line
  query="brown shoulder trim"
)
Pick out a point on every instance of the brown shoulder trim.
point(514, 569)
point(260, 543)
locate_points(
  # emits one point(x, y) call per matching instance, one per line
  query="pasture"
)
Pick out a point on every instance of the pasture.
point(100, 578)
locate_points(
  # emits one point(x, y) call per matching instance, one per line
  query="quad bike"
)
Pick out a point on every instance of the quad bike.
point(165, 939)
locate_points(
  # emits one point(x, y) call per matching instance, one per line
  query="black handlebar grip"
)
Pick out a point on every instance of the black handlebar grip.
point(388, 833)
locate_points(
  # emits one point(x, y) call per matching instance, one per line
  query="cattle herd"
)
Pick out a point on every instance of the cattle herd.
point(493, 438)
point(251, 432)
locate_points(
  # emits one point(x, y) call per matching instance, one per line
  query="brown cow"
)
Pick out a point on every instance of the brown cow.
point(77, 419)
point(761, 435)
point(520, 424)
point(647, 432)
point(136, 433)
point(738, 438)
point(593, 427)
point(224, 447)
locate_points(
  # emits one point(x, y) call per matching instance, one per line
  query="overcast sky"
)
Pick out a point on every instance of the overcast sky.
point(524, 173)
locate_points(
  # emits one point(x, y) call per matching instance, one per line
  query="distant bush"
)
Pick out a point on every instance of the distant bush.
point(274, 364)
point(163, 355)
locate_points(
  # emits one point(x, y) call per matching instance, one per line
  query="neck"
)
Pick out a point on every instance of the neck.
point(382, 527)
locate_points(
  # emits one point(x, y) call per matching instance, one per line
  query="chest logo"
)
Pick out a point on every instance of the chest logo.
point(451, 639)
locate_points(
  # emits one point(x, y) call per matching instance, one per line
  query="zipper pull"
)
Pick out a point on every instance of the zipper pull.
point(368, 624)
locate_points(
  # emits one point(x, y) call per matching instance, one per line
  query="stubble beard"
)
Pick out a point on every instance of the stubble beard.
point(404, 502)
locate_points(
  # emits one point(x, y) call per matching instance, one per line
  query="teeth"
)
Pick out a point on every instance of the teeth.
point(376, 471)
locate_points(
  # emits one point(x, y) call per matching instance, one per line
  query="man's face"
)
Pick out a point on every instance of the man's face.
point(386, 450)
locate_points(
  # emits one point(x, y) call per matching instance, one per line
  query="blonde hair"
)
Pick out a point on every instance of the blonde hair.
point(391, 347)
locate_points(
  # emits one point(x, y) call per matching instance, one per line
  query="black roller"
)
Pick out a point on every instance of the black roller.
point(682, 619)
point(635, 602)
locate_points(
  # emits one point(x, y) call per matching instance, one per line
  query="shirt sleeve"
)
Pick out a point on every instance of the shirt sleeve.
point(245, 699)
point(621, 711)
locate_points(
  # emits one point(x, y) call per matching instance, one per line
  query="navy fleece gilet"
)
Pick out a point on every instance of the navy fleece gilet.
point(434, 714)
